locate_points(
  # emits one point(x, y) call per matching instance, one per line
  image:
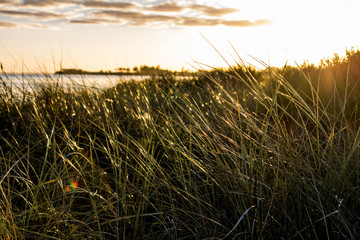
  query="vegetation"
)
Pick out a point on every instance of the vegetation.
point(142, 70)
point(235, 154)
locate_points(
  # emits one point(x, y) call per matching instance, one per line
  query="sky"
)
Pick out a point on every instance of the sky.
point(93, 35)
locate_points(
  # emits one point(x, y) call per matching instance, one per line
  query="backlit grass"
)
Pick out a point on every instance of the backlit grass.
point(236, 154)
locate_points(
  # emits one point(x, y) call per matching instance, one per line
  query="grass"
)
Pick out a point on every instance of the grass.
point(234, 154)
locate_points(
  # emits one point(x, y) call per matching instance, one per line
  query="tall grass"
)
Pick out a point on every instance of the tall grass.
point(238, 154)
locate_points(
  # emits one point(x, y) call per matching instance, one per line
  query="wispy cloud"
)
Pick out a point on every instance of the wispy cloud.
point(120, 13)
point(45, 3)
point(5, 2)
point(92, 21)
point(212, 11)
point(39, 26)
point(102, 4)
point(207, 10)
point(31, 14)
point(138, 18)
point(8, 25)
point(188, 21)
point(134, 18)
point(85, 3)
point(246, 23)
point(24, 25)
point(166, 7)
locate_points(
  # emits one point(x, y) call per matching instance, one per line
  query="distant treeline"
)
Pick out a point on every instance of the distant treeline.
point(142, 70)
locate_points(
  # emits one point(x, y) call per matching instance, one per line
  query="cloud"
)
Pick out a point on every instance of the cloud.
point(24, 25)
point(193, 21)
point(119, 13)
point(86, 21)
point(8, 25)
point(36, 26)
point(5, 2)
point(207, 10)
point(212, 11)
point(134, 18)
point(246, 23)
point(45, 3)
point(92, 21)
point(31, 14)
point(102, 4)
point(166, 7)
point(142, 19)
point(188, 21)
point(85, 3)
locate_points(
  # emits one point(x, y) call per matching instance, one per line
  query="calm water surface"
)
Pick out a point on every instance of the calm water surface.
point(30, 81)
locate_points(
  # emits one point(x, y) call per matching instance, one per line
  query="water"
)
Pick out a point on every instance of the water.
point(31, 81)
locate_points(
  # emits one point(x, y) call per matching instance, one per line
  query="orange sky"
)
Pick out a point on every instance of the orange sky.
point(45, 35)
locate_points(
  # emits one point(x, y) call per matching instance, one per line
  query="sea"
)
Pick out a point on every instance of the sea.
point(32, 81)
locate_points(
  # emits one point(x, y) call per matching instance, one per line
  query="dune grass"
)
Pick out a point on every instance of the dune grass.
point(234, 154)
